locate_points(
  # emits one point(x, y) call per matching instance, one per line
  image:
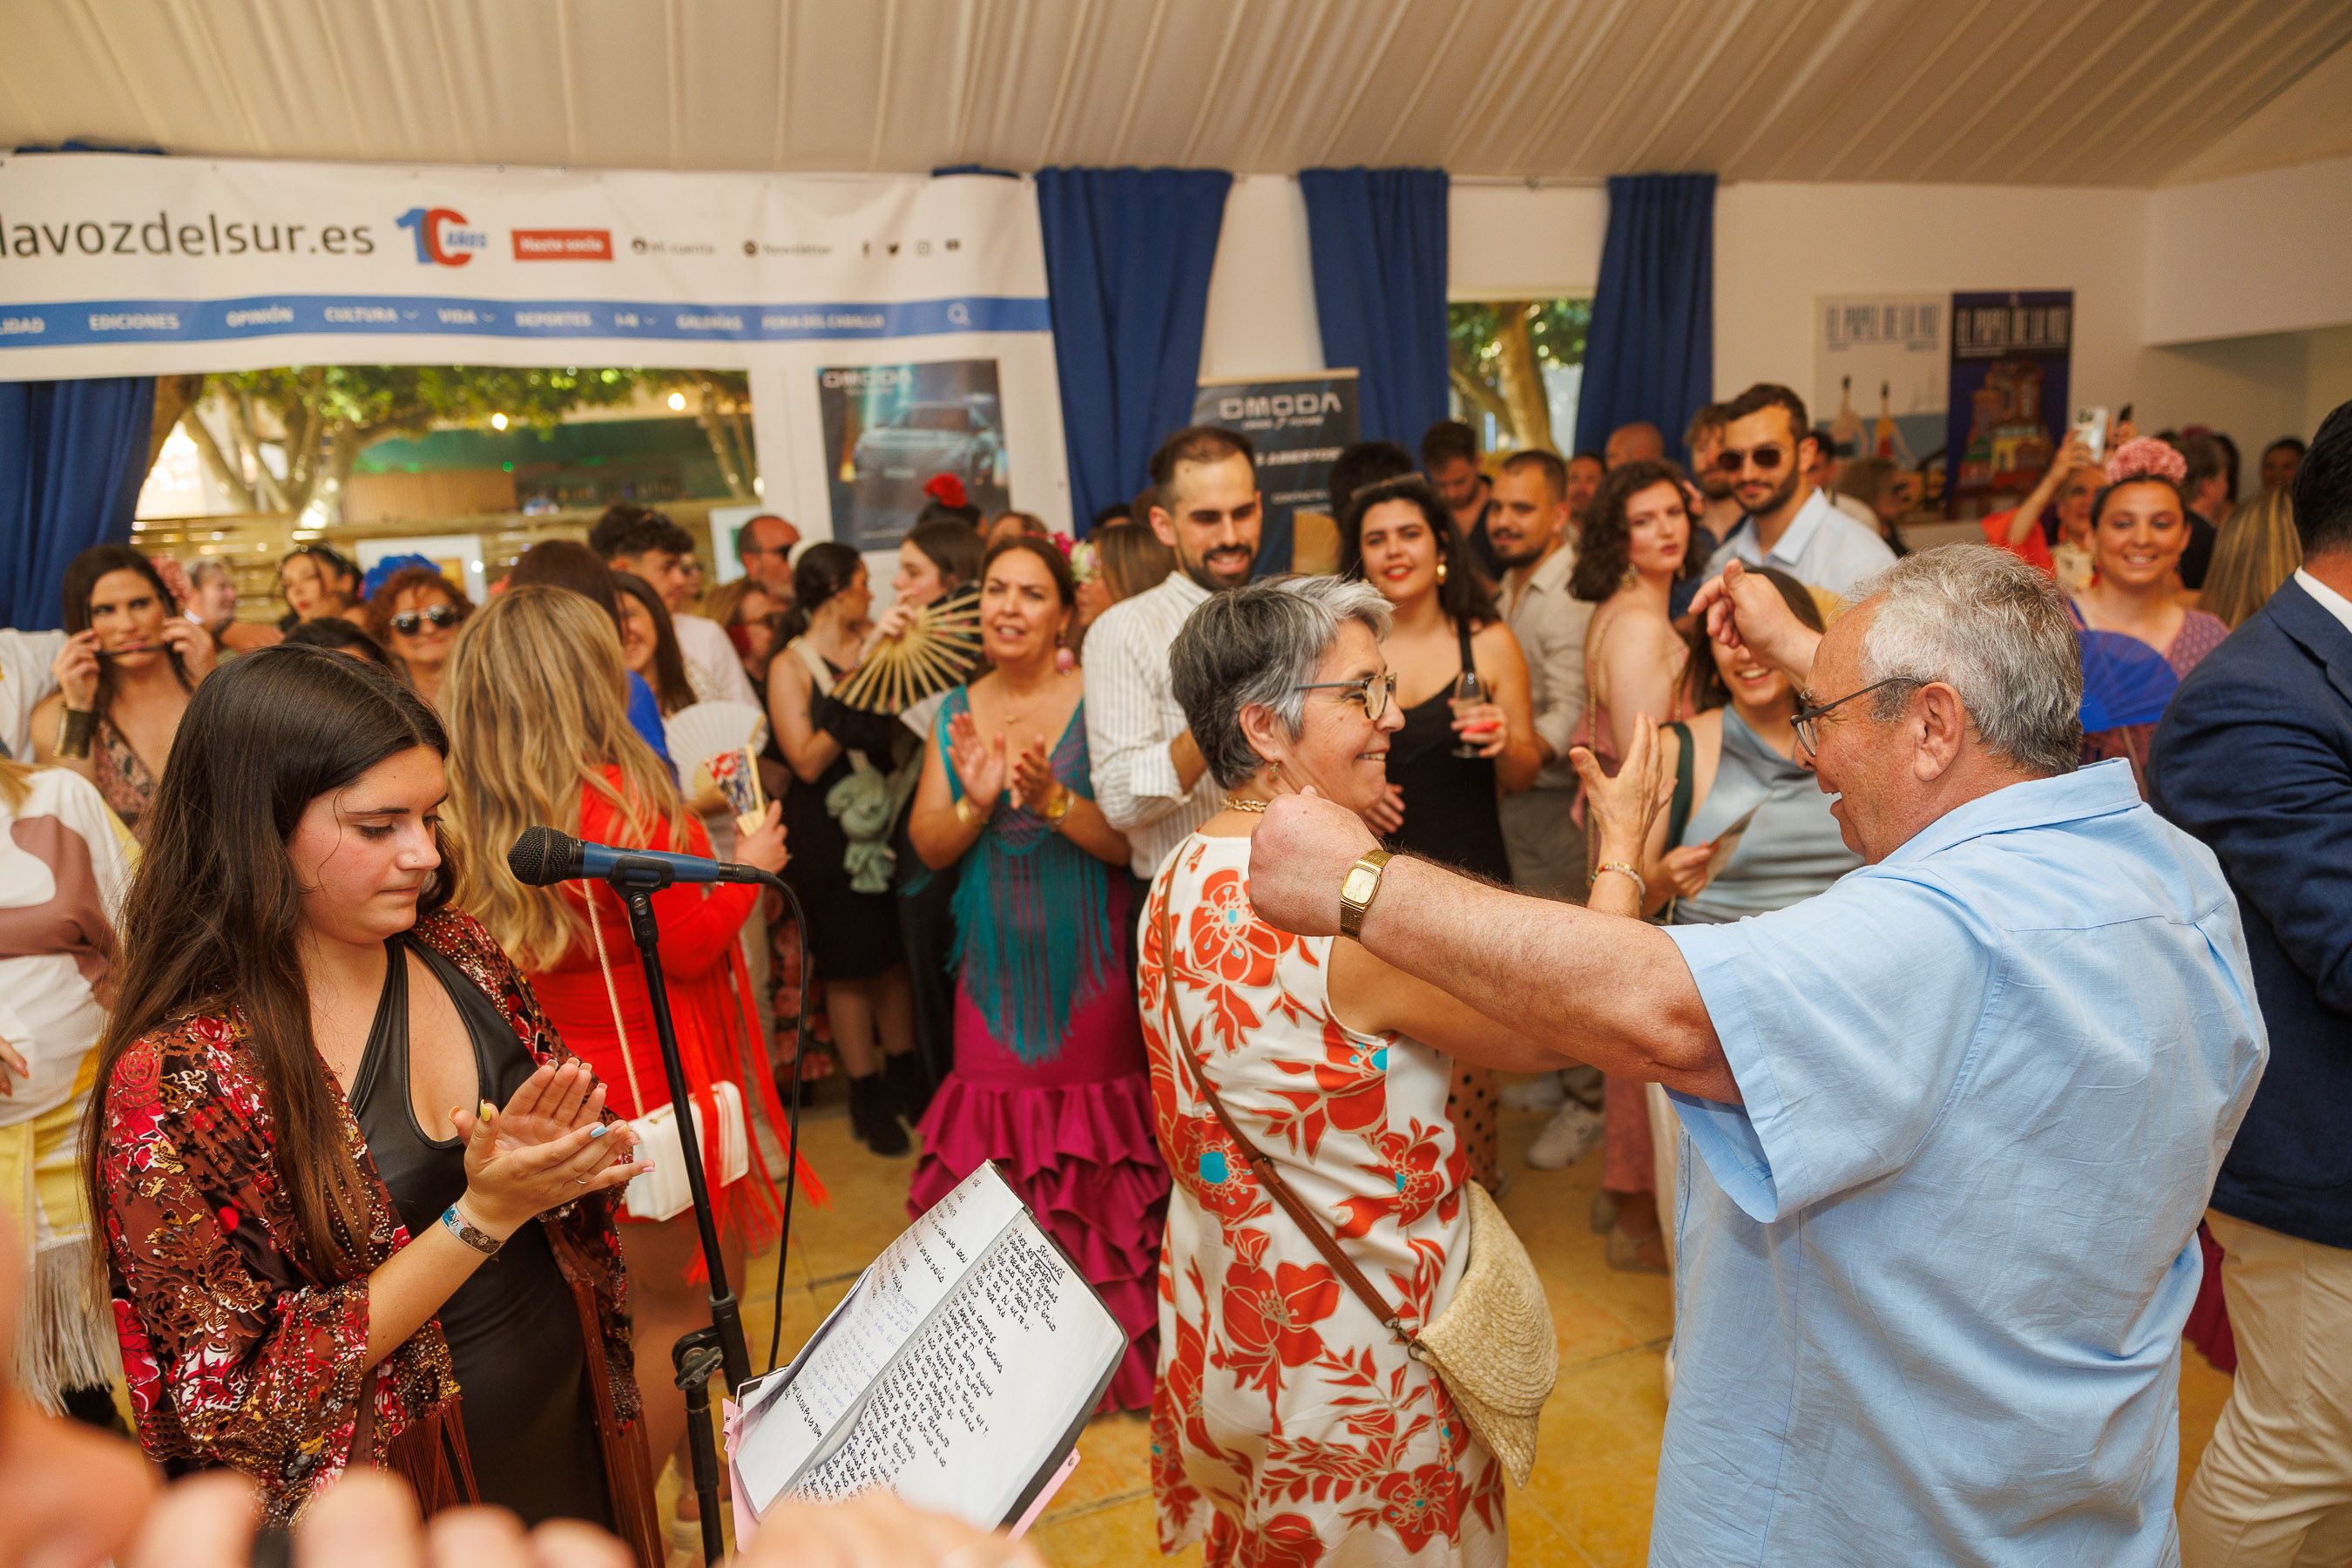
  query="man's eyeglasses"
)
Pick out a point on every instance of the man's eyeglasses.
point(408, 623)
point(1767, 457)
point(1374, 691)
point(1807, 718)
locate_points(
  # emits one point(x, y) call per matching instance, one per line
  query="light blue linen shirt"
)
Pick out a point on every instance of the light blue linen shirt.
point(1932, 1274)
point(1821, 548)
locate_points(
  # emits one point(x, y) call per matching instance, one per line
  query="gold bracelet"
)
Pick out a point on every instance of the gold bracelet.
point(75, 728)
point(1641, 887)
point(1055, 810)
point(968, 814)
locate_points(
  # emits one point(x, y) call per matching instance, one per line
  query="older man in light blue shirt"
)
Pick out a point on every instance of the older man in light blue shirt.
point(1951, 1124)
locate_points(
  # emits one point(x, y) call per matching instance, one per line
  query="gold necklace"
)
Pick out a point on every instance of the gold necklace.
point(1236, 802)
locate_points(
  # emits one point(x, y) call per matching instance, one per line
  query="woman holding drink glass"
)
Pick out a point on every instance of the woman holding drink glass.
point(1469, 720)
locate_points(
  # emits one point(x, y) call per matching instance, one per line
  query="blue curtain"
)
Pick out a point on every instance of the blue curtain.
point(72, 456)
point(1650, 351)
point(1377, 240)
point(1126, 273)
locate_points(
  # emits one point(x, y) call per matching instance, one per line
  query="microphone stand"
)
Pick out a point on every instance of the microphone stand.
point(719, 1346)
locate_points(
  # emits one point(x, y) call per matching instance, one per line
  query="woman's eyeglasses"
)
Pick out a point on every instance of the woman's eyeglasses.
point(1766, 457)
point(408, 623)
point(1374, 691)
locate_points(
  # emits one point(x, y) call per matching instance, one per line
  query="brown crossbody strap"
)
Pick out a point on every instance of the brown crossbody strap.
point(1268, 1177)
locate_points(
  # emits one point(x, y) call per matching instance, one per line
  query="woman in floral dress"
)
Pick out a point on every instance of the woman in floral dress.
point(1289, 1426)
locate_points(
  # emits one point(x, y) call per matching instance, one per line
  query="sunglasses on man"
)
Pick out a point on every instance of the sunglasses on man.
point(1766, 457)
point(408, 623)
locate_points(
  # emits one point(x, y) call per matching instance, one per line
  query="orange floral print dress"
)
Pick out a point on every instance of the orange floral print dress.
point(1289, 1428)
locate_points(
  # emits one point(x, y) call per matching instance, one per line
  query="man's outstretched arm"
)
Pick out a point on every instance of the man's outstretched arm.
point(1596, 988)
point(1604, 989)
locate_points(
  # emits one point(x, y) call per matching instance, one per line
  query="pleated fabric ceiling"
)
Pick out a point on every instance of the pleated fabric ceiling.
point(2129, 92)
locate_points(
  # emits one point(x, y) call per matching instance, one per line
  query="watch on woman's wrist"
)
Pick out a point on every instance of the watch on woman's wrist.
point(1053, 810)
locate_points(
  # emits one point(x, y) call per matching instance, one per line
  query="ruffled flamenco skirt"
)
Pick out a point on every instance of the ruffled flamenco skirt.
point(1073, 1136)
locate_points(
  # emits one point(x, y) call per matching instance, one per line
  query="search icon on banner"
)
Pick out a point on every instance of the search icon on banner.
point(959, 314)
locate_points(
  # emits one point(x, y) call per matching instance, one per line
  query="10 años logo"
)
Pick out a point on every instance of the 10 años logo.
point(442, 238)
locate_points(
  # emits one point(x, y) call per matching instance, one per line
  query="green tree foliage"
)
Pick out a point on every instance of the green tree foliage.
point(320, 417)
point(1496, 350)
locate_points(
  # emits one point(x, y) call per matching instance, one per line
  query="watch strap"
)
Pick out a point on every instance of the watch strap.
point(1352, 911)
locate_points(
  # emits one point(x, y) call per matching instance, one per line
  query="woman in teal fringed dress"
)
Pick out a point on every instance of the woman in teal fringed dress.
point(1049, 1079)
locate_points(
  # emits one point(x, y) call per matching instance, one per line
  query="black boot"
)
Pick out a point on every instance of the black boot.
point(910, 1084)
point(874, 1118)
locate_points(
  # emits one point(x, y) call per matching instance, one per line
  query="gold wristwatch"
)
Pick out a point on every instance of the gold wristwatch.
point(1358, 889)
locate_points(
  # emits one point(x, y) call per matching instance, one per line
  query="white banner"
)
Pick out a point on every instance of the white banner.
point(889, 324)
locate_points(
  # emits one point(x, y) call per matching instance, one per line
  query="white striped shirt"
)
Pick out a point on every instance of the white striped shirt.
point(1131, 718)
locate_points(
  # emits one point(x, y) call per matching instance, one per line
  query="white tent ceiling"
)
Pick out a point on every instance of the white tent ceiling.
point(2126, 92)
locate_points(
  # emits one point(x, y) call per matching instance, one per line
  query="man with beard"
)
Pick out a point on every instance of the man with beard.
point(1585, 472)
point(1718, 509)
point(1534, 539)
point(1449, 461)
point(1767, 444)
point(1150, 777)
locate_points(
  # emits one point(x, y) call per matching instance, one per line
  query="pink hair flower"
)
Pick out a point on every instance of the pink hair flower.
point(2143, 458)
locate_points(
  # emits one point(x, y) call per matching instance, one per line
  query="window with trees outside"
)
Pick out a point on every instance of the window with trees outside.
point(247, 464)
point(1515, 366)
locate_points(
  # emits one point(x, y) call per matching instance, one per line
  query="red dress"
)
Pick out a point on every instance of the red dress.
point(710, 1004)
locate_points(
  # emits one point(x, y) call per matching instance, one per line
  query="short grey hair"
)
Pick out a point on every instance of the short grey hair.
point(1253, 647)
point(1994, 629)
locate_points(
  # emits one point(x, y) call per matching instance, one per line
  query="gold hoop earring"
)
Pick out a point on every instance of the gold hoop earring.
point(1440, 572)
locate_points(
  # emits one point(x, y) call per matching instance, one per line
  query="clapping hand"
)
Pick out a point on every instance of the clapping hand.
point(549, 1147)
point(980, 764)
point(1034, 783)
point(1386, 814)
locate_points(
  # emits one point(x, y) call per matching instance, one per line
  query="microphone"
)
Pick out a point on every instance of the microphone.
point(542, 856)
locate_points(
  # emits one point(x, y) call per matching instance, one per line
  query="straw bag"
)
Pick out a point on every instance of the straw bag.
point(665, 1191)
point(1493, 1346)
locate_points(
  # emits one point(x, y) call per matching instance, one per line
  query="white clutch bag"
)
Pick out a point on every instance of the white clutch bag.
point(663, 1191)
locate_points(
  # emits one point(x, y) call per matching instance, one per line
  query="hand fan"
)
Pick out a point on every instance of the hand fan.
point(939, 650)
point(697, 733)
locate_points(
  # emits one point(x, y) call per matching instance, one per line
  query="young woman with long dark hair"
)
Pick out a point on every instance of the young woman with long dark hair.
point(296, 1155)
point(124, 677)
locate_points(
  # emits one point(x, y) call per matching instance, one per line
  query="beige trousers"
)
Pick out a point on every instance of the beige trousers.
point(2275, 1487)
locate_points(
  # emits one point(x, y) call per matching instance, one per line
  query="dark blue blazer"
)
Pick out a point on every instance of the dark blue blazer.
point(2255, 758)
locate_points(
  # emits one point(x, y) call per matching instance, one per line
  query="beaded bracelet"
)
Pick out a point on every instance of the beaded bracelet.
point(1622, 869)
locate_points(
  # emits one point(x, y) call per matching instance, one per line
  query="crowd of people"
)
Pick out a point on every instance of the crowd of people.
point(1746, 835)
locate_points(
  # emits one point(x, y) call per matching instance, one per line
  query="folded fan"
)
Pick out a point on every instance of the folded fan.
point(939, 650)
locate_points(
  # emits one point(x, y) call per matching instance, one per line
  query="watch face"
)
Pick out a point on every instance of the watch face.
point(1360, 882)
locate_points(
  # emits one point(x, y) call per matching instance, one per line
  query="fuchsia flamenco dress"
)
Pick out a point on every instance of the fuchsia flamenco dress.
point(1050, 1080)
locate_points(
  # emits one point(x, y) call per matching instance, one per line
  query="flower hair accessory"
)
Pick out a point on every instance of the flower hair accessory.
point(2146, 458)
point(947, 490)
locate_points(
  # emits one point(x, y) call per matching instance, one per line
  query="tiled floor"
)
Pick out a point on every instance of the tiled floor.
point(1588, 1505)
